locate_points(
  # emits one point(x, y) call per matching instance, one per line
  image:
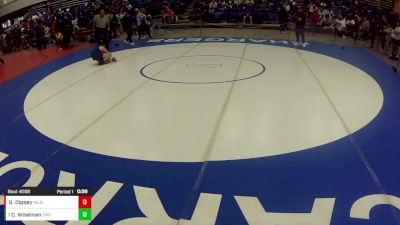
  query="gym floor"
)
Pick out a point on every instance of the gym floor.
point(210, 126)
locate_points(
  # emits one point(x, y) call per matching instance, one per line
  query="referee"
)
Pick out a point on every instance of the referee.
point(102, 28)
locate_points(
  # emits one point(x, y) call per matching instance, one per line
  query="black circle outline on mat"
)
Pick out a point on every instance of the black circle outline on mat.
point(213, 82)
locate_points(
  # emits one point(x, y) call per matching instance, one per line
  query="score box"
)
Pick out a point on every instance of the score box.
point(85, 201)
point(85, 207)
point(40, 204)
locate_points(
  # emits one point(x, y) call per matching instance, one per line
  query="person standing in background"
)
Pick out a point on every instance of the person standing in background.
point(395, 39)
point(364, 27)
point(340, 26)
point(120, 15)
point(283, 18)
point(1, 54)
point(2, 46)
point(384, 33)
point(351, 26)
point(101, 28)
point(40, 37)
point(127, 23)
point(314, 15)
point(143, 27)
point(212, 7)
point(141, 22)
point(149, 24)
point(373, 30)
point(300, 22)
point(66, 30)
point(168, 14)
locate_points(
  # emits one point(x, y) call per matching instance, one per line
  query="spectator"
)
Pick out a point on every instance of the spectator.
point(314, 15)
point(1, 53)
point(168, 15)
point(59, 39)
point(283, 18)
point(358, 21)
point(246, 12)
point(3, 44)
point(212, 6)
point(40, 37)
point(149, 24)
point(114, 25)
point(341, 28)
point(351, 26)
point(395, 39)
point(373, 30)
point(121, 15)
point(143, 27)
point(300, 22)
point(327, 17)
point(198, 11)
point(127, 23)
point(384, 33)
point(47, 34)
point(230, 4)
point(364, 29)
point(66, 29)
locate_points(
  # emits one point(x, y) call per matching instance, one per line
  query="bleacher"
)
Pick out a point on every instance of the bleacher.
point(379, 4)
point(16, 5)
point(60, 4)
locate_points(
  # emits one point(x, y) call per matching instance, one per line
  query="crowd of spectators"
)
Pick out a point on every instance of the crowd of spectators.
point(61, 26)
point(246, 11)
point(319, 13)
point(361, 22)
point(346, 18)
